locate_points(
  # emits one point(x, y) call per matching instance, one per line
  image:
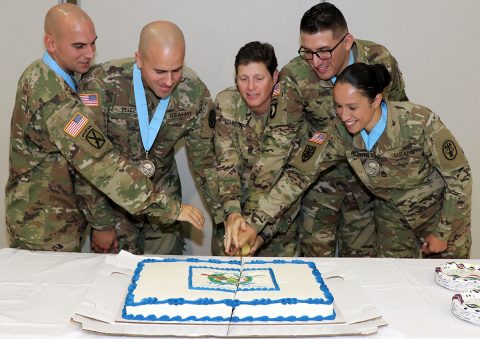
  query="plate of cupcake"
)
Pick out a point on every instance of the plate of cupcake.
point(465, 279)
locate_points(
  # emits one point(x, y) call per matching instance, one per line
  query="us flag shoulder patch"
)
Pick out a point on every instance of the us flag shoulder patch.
point(276, 90)
point(76, 124)
point(89, 99)
point(318, 137)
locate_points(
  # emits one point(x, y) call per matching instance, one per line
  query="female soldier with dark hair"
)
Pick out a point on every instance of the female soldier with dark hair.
point(404, 154)
point(241, 114)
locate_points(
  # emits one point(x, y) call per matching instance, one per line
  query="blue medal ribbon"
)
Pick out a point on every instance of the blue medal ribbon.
point(371, 138)
point(48, 60)
point(148, 131)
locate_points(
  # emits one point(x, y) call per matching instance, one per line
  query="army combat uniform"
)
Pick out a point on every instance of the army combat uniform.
point(305, 99)
point(189, 115)
point(237, 135)
point(416, 170)
point(54, 142)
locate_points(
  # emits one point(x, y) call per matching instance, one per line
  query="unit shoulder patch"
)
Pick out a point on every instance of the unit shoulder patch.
point(448, 151)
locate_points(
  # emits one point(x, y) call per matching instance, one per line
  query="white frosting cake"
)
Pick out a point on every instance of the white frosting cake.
point(196, 290)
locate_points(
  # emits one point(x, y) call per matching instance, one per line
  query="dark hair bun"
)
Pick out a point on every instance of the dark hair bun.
point(382, 75)
point(369, 79)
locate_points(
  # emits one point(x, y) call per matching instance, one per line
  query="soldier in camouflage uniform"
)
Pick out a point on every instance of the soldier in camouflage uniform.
point(403, 154)
point(189, 115)
point(55, 141)
point(241, 113)
point(305, 98)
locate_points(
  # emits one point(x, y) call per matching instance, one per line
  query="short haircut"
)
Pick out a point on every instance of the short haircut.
point(323, 17)
point(256, 51)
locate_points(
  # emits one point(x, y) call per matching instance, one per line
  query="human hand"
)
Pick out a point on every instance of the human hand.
point(258, 243)
point(104, 241)
point(246, 239)
point(192, 215)
point(433, 244)
point(234, 222)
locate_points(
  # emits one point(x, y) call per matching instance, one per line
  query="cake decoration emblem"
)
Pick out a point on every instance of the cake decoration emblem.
point(228, 278)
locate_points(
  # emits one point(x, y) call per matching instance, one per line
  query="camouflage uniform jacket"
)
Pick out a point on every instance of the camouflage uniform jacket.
point(189, 115)
point(237, 144)
point(237, 135)
point(422, 170)
point(304, 98)
point(53, 140)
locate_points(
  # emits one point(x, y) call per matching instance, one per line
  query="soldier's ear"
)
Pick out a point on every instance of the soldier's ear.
point(378, 100)
point(49, 41)
point(348, 41)
point(275, 76)
point(138, 59)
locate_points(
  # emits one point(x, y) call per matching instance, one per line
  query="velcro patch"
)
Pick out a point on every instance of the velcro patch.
point(276, 90)
point(89, 99)
point(318, 138)
point(212, 118)
point(308, 152)
point(449, 153)
point(95, 138)
point(76, 124)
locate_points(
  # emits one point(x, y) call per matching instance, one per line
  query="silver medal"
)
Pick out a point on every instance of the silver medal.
point(372, 168)
point(147, 167)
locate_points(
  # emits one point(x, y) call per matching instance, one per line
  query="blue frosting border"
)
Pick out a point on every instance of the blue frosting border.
point(129, 299)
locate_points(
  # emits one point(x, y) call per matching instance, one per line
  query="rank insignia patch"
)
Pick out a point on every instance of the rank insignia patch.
point(318, 138)
point(76, 124)
point(308, 152)
point(89, 99)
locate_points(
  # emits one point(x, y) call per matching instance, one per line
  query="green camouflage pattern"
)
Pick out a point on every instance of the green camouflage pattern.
point(42, 207)
point(423, 184)
point(238, 133)
point(424, 175)
point(189, 116)
point(306, 100)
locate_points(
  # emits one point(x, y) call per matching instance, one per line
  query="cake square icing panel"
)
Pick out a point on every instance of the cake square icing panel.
point(178, 290)
point(300, 294)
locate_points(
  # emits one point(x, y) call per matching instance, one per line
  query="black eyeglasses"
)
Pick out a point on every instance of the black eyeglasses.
point(323, 54)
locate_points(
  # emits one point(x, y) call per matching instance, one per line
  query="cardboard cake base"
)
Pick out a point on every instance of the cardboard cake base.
point(100, 310)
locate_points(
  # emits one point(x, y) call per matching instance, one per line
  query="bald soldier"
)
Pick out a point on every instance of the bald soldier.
point(54, 142)
point(150, 102)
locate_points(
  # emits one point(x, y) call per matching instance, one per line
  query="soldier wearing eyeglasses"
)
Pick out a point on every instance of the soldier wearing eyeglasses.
point(336, 210)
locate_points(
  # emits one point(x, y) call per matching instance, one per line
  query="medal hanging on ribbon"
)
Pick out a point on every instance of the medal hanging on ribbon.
point(372, 168)
point(148, 130)
point(147, 167)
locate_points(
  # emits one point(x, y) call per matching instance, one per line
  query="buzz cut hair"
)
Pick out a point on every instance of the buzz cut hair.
point(323, 17)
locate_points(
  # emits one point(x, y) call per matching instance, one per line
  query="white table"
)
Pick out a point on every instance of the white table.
point(40, 291)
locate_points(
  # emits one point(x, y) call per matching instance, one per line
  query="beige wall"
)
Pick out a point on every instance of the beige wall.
point(434, 41)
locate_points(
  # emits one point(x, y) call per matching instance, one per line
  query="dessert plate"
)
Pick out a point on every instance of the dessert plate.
point(466, 306)
point(458, 276)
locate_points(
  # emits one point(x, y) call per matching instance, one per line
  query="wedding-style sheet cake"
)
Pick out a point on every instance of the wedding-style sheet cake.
point(211, 290)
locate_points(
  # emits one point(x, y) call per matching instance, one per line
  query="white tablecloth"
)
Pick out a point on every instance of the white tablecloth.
point(40, 292)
